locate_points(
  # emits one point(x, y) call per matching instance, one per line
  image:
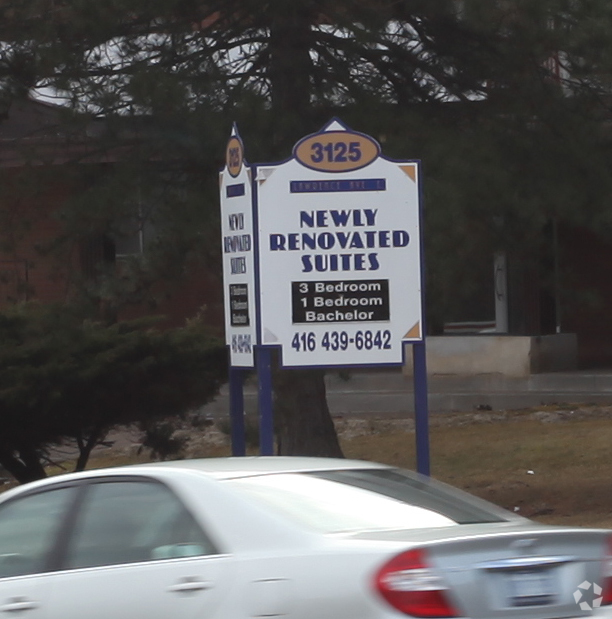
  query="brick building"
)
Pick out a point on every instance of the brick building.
point(42, 167)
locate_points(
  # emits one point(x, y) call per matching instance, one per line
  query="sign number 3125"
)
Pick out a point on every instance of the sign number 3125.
point(335, 152)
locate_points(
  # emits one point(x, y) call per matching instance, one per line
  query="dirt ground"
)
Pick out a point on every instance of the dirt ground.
point(210, 437)
point(212, 440)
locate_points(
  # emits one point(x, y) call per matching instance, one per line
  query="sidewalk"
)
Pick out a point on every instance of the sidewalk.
point(389, 392)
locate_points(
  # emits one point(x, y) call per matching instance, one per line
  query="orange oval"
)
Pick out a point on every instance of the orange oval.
point(234, 156)
point(336, 151)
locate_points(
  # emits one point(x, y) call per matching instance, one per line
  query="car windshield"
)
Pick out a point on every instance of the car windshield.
point(342, 501)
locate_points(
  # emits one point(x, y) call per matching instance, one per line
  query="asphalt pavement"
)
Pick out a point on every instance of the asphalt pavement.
point(390, 392)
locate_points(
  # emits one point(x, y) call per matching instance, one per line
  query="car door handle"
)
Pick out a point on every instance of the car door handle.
point(189, 584)
point(18, 604)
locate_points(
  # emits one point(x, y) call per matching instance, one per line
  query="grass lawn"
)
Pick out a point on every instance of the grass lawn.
point(556, 472)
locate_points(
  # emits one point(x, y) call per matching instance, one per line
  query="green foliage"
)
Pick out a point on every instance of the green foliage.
point(468, 87)
point(62, 377)
point(162, 440)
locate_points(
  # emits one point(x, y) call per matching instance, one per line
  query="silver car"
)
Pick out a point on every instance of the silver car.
point(301, 538)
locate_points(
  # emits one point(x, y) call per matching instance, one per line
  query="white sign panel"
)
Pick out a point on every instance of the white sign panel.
point(339, 252)
point(238, 255)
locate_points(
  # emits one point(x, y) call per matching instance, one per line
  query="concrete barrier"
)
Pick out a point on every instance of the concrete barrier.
point(514, 356)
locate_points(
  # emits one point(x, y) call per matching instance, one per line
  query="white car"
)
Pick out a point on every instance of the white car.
point(302, 538)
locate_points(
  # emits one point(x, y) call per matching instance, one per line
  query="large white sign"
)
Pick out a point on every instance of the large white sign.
point(238, 255)
point(339, 252)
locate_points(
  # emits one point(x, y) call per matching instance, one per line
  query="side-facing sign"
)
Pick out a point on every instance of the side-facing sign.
point(339, 252)
point(238, 255)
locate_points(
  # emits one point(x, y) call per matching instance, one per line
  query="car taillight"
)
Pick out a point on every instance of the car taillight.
point(606, 574)
point(411, 586)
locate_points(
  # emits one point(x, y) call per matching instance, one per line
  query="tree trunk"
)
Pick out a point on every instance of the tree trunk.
point(290, 72)
point(303, 422)
point(86, 447)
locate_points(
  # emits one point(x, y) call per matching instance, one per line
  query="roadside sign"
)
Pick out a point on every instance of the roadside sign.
point(238, 255)
point(339, 252)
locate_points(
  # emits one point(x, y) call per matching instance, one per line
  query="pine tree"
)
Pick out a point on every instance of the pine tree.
point(68, 381)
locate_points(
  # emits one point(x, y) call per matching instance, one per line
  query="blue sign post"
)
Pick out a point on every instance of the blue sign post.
point(236, 398)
